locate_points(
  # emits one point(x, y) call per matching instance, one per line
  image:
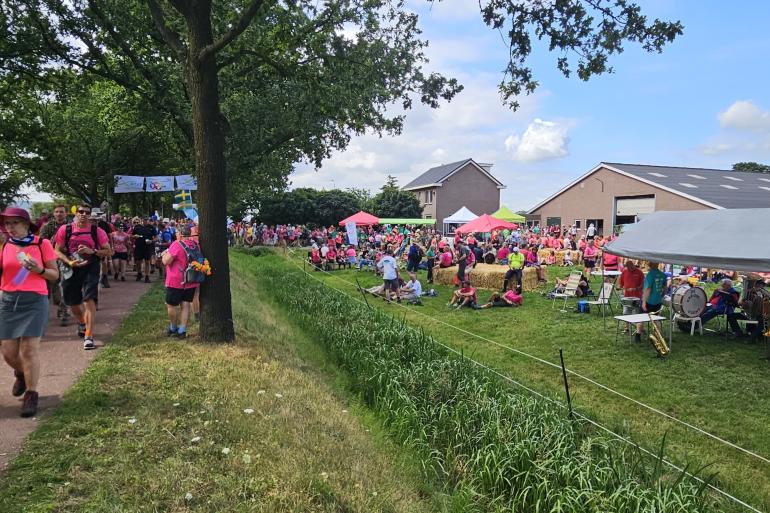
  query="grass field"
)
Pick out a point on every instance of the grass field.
point(261, 425)
point(717, 384)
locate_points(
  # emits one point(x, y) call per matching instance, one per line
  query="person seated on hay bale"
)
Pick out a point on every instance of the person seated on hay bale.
point(550, 259)
point(331, 258)
point(464, 296)
point(411, 291)
point(502, 255)
point(445, 260)
point(314, 257)
point(567, 259)
point(366, 259)
point(516, 261)
point(530, 258)
point(509, 298)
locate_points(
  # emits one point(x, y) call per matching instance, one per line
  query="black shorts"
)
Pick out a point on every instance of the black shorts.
point(82, 285)
point(144, 252)
point(120, 256)
point(174, 297)
point(652, 309)
point(390, 285)
point(501, 302)
point(590, 264)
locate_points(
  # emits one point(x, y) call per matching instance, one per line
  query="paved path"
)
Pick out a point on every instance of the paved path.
point(62, 361)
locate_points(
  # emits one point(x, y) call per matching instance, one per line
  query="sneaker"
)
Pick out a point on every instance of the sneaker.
point(181, 334)
point(88, 343)
point(147, 279)
point(82, 330)
point(105, 282)
point(138, 276)
point(122, 278)
point(29, 406)
point(19, 386)
point(116, 276)
point(170, 332)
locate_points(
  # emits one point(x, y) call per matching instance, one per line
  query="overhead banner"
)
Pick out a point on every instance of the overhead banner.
point(160, 184)
point(187, 182)
point(124, 183)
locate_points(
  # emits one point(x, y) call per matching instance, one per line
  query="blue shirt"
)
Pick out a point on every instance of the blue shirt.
point(656, 282)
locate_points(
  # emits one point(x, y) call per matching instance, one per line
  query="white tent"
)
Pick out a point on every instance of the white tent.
point(736, 239)
point(462, 216)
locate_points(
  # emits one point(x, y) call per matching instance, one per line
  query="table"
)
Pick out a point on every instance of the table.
point(634, 319)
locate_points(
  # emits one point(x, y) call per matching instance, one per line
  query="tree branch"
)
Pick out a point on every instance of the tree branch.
point(236, 30)
point(171, 38)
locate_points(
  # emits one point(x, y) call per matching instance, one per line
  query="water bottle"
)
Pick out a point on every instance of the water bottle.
point(23, 272)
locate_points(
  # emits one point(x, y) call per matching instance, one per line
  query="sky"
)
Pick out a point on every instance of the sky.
point(703, 102)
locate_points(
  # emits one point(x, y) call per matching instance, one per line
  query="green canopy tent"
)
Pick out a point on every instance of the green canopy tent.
point(399, 220)
point(505, 214)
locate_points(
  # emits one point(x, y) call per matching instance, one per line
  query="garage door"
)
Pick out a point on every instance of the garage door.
point(634, 206)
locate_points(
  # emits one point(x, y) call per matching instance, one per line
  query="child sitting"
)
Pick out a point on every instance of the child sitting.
point(567, 259)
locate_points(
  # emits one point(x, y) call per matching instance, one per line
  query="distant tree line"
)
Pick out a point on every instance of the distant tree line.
point(751, 167)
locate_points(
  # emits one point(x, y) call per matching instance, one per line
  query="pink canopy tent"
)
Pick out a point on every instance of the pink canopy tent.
point(485, 223)
point(361, 219)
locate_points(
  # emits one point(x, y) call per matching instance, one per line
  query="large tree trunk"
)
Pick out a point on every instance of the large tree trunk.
point(210, 167)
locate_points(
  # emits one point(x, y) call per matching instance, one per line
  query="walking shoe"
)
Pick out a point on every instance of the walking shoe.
point(82, 330)
point(88, 343)
point(29, 406)
point(138, 276)
point(181, 334)
point(122, 278)
point(105, 282)
point(19, 386)
point(170, 332)
point(116, 276)
point(147, 279)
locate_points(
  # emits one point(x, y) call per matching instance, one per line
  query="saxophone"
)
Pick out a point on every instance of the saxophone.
point(657, 339)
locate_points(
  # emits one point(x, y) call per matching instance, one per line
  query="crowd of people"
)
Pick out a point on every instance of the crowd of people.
point(67, 262)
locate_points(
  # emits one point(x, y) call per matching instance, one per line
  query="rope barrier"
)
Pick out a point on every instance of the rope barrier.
point(585, 378)
point(538, 394)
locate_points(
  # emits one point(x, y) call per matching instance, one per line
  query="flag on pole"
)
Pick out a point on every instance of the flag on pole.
point(183, 197)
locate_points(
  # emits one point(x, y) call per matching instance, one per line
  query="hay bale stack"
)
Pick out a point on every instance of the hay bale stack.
point(542, 254)
point(486, 276)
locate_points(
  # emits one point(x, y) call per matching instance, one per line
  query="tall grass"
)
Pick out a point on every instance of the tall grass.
point(505, 450)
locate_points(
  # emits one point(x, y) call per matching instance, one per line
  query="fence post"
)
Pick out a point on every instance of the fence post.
point(361, 290)
point(566, 383)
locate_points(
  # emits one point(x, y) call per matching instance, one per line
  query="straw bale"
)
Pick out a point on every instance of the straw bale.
point(542, 254)
point(486, 276)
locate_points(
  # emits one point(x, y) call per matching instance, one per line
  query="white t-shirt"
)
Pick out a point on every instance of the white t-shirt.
point(324, 250)
point(415, 287)
point(388, 265)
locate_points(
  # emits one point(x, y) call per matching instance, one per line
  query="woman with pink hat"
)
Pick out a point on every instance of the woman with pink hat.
point(26, 262)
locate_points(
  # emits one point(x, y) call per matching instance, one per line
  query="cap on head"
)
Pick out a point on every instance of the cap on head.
point(20, 213)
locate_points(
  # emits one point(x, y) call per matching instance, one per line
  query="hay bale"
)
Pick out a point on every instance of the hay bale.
point(486, 276)
point(542, 254)
point(445, 275)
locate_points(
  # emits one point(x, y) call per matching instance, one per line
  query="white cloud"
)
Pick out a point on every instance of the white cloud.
point(745, 115)
point(542, 140)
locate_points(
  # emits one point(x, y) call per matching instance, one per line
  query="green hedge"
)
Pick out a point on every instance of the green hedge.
point(506, 449)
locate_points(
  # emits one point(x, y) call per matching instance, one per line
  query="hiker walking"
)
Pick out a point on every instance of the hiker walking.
point(27, 263)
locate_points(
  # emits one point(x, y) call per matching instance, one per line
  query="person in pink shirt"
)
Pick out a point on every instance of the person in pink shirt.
point(27, 262)
point(81, 245)
point(509, 298)
point(178, 293)
point(589, 257)
point(120, 241)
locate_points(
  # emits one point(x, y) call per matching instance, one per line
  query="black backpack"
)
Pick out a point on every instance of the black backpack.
point(191, 274)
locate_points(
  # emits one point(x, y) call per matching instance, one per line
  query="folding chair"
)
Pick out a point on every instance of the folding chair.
point(603, 300)
point(570, 290)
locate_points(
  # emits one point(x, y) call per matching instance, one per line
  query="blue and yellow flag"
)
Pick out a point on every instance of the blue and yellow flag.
point(183, 197)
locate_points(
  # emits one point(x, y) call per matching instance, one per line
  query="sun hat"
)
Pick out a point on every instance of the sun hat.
point(18, 212)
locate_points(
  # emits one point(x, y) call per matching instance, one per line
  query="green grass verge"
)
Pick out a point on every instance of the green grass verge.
point(506, 449)
point(712, 382)
point(153, 420)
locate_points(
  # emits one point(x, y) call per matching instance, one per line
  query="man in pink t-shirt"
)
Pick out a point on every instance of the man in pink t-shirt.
point(81, 245)
point(178, 293)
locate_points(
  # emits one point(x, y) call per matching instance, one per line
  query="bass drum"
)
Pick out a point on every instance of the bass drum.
point(688, 301)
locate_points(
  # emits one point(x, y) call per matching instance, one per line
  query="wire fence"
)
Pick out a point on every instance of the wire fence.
point(551, 400)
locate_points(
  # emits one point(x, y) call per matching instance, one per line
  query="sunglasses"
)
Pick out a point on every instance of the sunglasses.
point(84, 212)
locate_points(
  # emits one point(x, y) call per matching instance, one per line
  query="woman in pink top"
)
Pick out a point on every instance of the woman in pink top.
point(178, 293)
point(26, 262)
point(120, 241)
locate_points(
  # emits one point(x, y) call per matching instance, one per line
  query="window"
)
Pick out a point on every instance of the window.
point(553, 221)
point(429, 194)
point(578, 223)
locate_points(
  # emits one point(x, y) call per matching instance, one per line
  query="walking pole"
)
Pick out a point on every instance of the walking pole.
point(566, 383)
point(361, 290)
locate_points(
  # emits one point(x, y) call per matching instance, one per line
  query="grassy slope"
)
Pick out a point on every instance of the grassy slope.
point(711, 382)
point(310, 450)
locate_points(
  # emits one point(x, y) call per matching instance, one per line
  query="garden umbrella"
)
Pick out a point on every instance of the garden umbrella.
point(485, 224)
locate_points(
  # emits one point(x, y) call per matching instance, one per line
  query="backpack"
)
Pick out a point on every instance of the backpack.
point(193, 273)
point(68, 236)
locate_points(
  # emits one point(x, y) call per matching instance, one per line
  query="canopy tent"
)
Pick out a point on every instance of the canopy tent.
point(485, 224)
point(361, 219)
point(404, 220)
point(505, 214)
point(735, 239)
point(462, 216)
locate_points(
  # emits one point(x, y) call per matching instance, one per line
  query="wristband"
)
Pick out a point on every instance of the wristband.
point(42, 272)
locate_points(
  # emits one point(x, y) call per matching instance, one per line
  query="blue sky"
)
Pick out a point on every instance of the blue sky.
point(703, 102)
